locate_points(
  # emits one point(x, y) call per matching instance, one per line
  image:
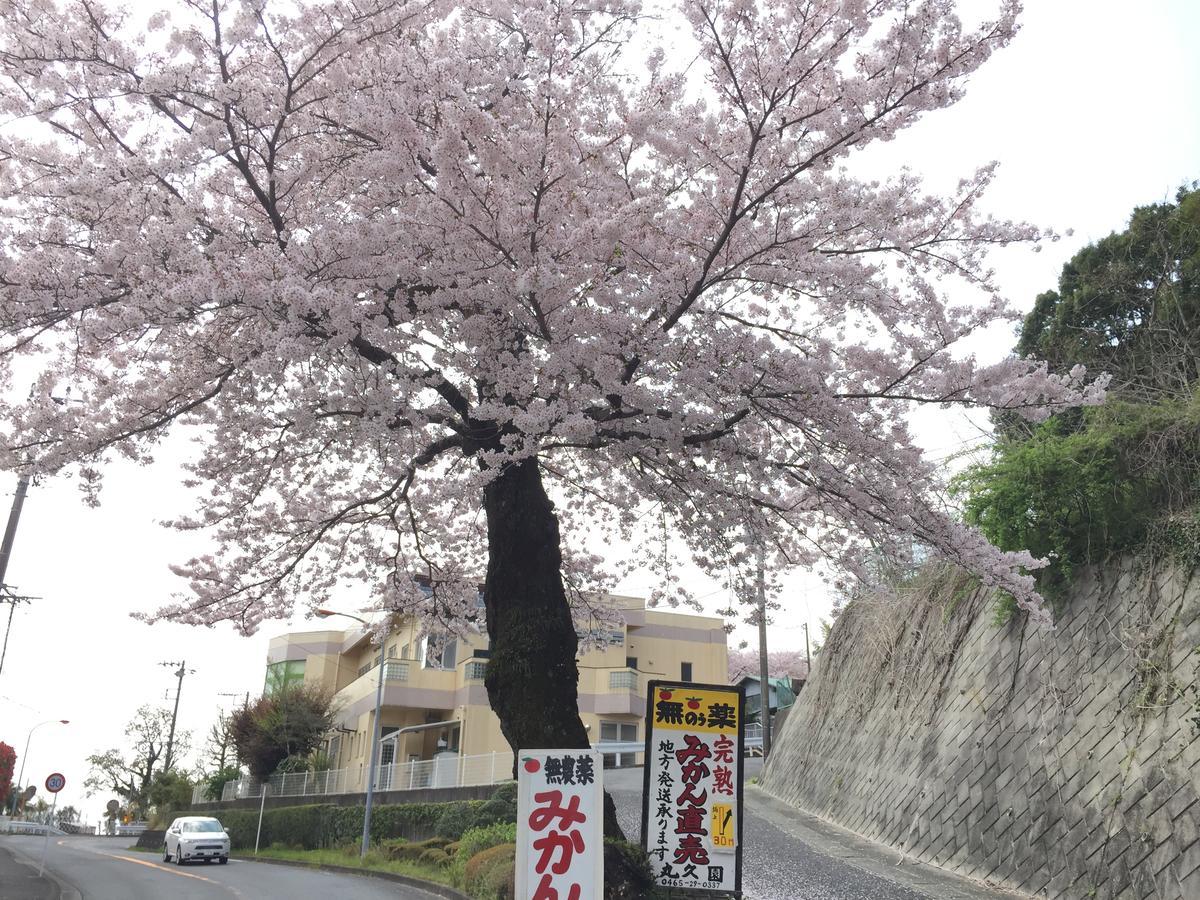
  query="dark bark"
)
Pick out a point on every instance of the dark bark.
point(532, 675)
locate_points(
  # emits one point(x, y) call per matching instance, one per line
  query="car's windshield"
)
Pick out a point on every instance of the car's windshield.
point(210, 825)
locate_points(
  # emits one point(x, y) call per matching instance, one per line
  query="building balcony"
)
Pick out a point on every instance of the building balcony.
point(402, 672)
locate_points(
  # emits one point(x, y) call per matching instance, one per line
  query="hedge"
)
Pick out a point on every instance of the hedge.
point(323, 825)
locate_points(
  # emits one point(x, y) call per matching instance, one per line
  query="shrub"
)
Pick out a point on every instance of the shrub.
point(456, 818)
point(506, 791)
point(321, 826)
point(400, 849)
point(476, 840)
point(496, 810)
point(435, 856)
point(1075, 495)
point(487, 874)
point(627, 874)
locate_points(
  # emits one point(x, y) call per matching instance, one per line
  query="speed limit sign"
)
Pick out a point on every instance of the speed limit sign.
point(56, 783)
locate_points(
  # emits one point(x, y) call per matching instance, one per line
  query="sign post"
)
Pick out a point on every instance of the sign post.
point(560, 825)
point(55, 783)
point(261, 807)
point(692, 794)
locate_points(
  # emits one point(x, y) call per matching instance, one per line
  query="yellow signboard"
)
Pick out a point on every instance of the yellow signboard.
point(722, 827)
point(689, 709)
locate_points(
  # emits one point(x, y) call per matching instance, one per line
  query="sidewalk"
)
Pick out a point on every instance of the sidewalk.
point(856, 852)
point(20, 881)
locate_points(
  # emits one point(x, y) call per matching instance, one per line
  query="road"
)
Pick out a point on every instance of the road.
point(104, 869)
point(789, 855)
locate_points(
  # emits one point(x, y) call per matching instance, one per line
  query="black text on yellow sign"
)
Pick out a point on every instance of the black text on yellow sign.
point(722, 827)
point(700, 711)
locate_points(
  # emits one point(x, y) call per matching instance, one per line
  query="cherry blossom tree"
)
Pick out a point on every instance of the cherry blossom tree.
point(409, 270)
point(743, 662)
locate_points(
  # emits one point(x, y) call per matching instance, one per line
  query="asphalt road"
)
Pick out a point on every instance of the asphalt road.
point(788, 855)
point(104, 869)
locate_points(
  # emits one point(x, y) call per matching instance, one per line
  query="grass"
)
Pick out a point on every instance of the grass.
point(374, 861)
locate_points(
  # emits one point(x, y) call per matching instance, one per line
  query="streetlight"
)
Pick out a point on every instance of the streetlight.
point(25, 755)
point(366, 837)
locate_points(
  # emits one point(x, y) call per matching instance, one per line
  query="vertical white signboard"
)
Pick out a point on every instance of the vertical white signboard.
point(560, 825)
point(692, 800)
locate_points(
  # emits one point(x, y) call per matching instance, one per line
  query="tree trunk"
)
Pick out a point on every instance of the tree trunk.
point(532, 676)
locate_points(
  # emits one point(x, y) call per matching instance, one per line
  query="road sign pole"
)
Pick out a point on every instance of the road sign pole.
point(46, 839)
point(265, 786)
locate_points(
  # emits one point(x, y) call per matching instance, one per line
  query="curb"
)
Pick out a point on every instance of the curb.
point(431, 887)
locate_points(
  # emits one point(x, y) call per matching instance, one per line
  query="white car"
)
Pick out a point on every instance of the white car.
point(196, 837)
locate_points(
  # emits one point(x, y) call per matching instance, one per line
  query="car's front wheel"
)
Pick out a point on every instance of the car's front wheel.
point(179, 857)
point(166, 854)
point(224, 859)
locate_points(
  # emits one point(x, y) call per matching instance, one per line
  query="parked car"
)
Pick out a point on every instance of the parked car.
point(196, 837)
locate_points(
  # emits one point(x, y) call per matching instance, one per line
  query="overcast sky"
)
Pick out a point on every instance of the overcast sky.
point(1092, 111)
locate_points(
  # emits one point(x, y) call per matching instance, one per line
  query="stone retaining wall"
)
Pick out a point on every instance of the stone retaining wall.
point(1062, 763)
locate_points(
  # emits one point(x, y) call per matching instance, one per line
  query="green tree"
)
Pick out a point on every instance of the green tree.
point(1088, 483)
point(1129, 305)
point(170, 790)
point(215, 783)
point(130, 773)
point(291, 722)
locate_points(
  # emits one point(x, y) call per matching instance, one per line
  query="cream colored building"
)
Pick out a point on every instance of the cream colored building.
point(435, 707)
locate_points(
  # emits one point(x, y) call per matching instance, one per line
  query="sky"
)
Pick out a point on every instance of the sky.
point(1090, 112)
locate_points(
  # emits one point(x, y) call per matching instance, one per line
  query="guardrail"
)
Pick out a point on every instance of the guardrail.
point(16, 826)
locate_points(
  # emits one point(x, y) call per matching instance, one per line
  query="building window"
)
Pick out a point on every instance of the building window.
point(631, 662)
point(476, 671)
point(406, 653)
point(622, 681)
point(623, 732)
point(685, 671)
point(391, 653)
point(283, 674)
point(442, 652)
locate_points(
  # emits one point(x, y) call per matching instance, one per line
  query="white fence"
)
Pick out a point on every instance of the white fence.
point(444, 772)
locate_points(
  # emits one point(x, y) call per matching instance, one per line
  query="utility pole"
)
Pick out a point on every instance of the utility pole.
point(807, 654)
point(764, 684)
point(14, 516)
point(167, 760)
point(10, 535)
point(7, 596)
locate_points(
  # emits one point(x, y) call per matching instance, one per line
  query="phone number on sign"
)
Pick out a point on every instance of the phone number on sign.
point(681, 883)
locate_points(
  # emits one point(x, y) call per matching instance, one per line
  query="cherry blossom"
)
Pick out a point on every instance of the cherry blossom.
point(402, 268)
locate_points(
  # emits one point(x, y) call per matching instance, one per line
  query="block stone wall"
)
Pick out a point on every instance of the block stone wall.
point(1063, 763)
